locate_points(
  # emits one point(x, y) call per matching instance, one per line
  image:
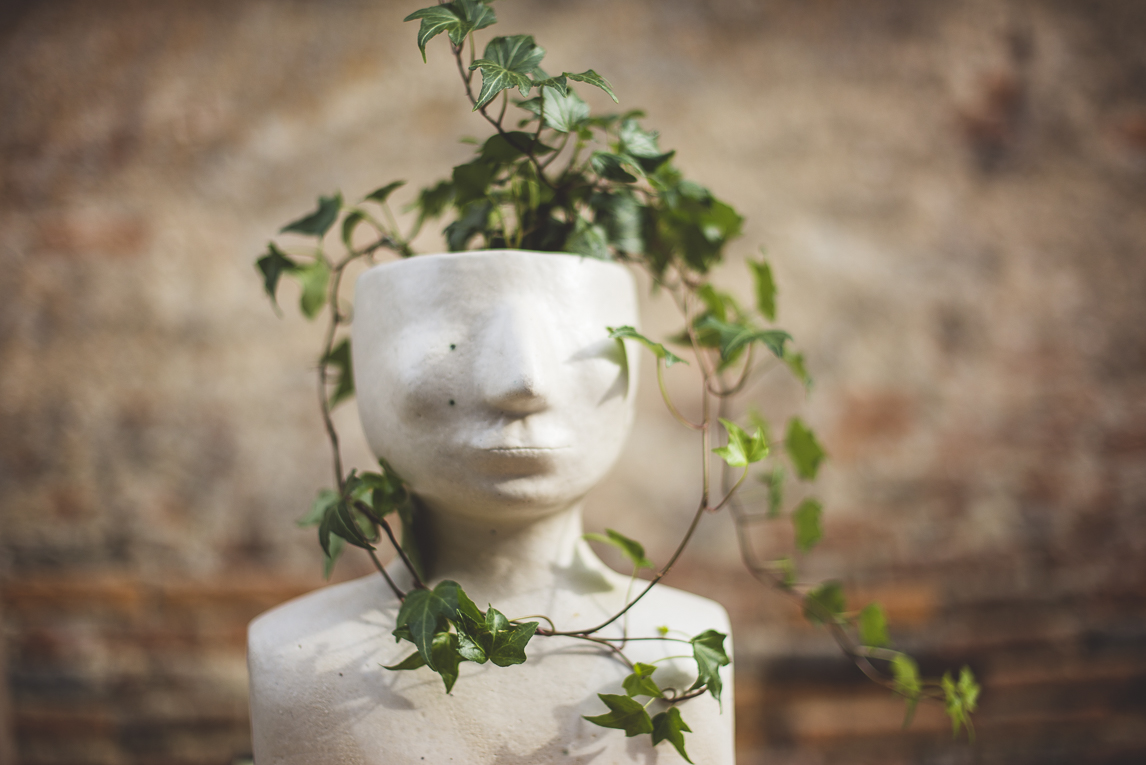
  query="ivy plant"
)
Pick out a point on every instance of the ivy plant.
point(553, 176)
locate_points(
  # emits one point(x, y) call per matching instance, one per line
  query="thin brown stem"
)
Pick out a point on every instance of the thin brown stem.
point(382, 570)
point(368, 511)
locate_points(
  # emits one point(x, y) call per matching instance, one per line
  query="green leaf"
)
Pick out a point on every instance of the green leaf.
point(620, 215)
point(339, 358)
point(708, 650)
point(457, 19)
point(825, 603)
point(775, 481)
point(765, 288)
point(409, 514)
point(742, 450)
point(425, 613)
point(469, 649)
point(625, 714)
point(609, 166)
point(349, 223)
point(344, 523)
point(432, 201)
point(314, 278)
point(628, 333)
point(446, 658)
point(592, 78)
point(563, 113)
point(637, 141)
point(507, 645)
point(806, 521)
point(513, 145)
point(787, 569)
point(669, 726)
point(471, 181)
point(588, 240)
point(795, 362)
point(559, 83)
point(326, 499)
point(380, 195)
point(640, 682)
point(804, 450)
point(413, 661)
point(334, 549)
point(907, 683)
point(318, 222)
point(873, 626)
point(473, 220)
point(735, 336)
point(507, 63)
point(273, 265)
point(961, 699)
point(632, 549)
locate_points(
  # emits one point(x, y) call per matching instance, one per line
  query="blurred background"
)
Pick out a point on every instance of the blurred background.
point(952, 198)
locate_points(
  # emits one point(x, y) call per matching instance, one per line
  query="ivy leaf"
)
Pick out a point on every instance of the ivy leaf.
point(806, 520)
point(609, 166)
point(474, 218)
point(628, 333)
point(334, 549)
point(339, 358)
point(640, 682)
point(765, 289)
point(961, 700)
point(424, 613)
point(408, 514)
point(559, 83)
point(804, 450)
point(742, 450)
point(343, 523)
point(588, 240)
point(907, 683)
point(708, 650)
point(432, 201)
point(735, 336)
point(380, 195)
point(273, 265)
point(471, 181)
point(637, 141)
point(507, 642)
point(824, 603)
point(507, 63)
point(592, 78)
point(413, 661)
point(349, 223)
point(318, 222)
point(873, 626)
point(625, 714)
point(795, 362)
point(632, 549)
point(787, 569)
point(564, 113)
point(775, 481)
point(669, 726)
point(500, 149)
point(457, 19)
point(326, 499)
point(620, 215)
point(314, 278)
point(446, 658)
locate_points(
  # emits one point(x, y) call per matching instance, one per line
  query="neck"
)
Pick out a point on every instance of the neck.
point(519, 561)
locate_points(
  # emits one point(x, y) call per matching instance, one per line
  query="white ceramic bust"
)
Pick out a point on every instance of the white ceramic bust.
point(488, 381)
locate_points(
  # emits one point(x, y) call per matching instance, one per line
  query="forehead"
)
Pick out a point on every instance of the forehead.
point(464, 293)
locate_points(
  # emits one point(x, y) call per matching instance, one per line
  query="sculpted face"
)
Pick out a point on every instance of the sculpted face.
point(488, 380)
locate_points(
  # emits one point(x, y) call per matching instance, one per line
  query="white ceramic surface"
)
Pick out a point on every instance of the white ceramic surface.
point(488, 381)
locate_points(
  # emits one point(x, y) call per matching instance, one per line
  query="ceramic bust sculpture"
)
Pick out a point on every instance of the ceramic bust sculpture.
point(488, 381)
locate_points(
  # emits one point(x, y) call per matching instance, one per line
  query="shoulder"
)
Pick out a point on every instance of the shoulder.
point(317, 612)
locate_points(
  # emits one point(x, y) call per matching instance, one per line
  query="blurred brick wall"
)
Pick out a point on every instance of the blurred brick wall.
point(952, 196)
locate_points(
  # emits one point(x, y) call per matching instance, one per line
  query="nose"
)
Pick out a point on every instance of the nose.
point(518, 361)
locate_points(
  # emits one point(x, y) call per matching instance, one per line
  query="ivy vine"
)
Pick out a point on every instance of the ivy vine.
point(560, 178)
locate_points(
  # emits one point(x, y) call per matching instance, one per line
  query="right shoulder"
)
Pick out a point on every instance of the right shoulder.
point(302, 619)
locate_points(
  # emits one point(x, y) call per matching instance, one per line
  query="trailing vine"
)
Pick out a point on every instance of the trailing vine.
point(563, 179)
